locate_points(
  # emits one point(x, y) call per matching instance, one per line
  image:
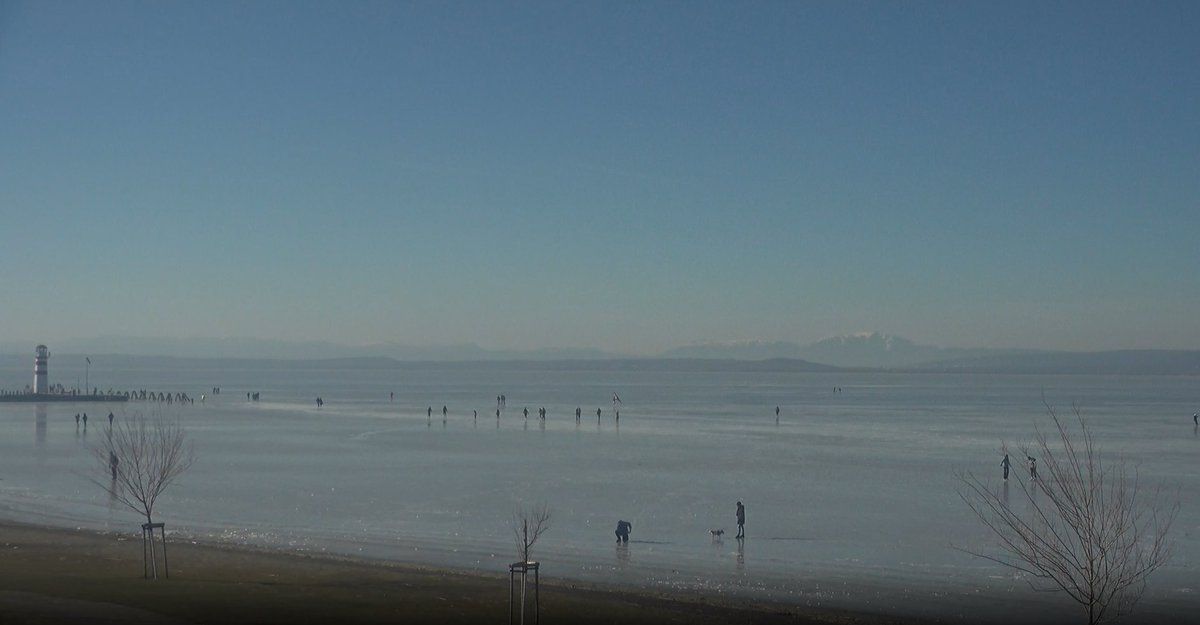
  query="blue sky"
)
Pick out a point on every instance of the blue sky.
point(627, 176)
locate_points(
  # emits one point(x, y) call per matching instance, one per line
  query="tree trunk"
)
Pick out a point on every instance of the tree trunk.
point(524, 577)
point(153, 556)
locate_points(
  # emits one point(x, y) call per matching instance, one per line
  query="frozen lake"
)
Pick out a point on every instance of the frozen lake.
point(851, 499)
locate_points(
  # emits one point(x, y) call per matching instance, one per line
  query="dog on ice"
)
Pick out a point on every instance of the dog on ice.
point(716, 534)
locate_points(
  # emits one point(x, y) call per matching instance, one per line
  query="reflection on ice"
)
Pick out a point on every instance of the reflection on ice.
point(39, 425)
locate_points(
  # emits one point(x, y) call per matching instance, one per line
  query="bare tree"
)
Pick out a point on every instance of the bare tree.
point(528, 525)
point(142, 456)
point(1084, 526)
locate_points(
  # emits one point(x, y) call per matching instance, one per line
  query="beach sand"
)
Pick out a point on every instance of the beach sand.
point(64, 576)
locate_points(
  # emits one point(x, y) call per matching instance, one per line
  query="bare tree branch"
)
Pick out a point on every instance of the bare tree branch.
point(528, 525)
point(1085, 527)
point(139, 458)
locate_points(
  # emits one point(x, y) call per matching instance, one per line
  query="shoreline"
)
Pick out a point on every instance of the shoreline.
point(52, 574)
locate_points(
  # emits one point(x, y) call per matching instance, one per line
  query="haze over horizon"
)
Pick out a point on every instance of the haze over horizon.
point(249, 347)
point(630, 177)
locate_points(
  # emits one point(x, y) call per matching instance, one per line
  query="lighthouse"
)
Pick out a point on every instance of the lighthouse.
point(41, 385)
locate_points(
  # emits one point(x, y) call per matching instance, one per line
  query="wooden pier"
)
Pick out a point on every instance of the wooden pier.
point(40, 398)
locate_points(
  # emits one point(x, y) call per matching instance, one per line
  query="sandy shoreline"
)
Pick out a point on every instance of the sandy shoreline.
point(50, 575)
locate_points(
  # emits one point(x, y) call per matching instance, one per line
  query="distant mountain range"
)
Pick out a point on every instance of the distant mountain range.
point(874, 350)
point(857, 351)
point(867, 349)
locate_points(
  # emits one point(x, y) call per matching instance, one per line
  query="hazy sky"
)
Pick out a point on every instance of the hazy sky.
point(628, 176)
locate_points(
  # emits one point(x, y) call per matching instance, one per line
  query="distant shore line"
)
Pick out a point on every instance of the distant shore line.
point(1125, 362)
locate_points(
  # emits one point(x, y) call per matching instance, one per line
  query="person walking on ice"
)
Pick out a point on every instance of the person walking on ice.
point(1004, 463)
point(1032, 467)
point(741, 520)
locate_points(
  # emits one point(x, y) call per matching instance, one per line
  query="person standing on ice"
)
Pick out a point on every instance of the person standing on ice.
point(741, 519)
point(1004, 463)
point(1032, 467)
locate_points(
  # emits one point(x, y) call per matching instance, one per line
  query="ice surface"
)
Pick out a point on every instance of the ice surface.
point(851, 500)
